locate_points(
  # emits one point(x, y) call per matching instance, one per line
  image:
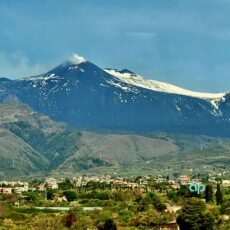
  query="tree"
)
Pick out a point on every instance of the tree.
point(70, 195)
point(109, 225)
point(137, 179)
point(208, 194)
point(142, 204)
point(30, 196)
point(156, 202)
point(172, 195)
point(66, 185)
point(219, 195)
point(193, 216)
point(225, 207)
point(50, 194)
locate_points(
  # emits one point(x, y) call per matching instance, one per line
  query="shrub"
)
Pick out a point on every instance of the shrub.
point(70, 219)
point(109, 225)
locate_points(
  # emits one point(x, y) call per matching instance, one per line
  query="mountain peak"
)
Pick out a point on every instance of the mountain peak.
point(127, 71)
point(123, 71)
point(76, 59)
point(72, 64)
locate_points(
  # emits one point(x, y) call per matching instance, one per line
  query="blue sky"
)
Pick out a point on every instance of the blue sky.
point(184, 42)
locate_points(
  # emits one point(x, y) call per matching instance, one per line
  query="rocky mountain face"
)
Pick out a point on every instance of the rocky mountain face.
point(12, 113)
point(87, 97)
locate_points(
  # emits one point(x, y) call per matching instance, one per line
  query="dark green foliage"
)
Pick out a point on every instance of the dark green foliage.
point(142, 205)
point(66, 185)
point(219, 195)
point(176, 175)
point(70, 195)
point(227, 191)
point(83, 201)
point(95, 195)
point(97, 203)
point(93, 185)
point(34, 211)
point(50, 194)
point(151, 198)
point(137, 179)
point(30, 196)
point(172, 195)
point(88, 162)
point(182, 192)
point(156, 202)
point(194, 216)
point(109, 225)
point(121, 196)
point(208, 193)
point(150, 218)
point(225, 207)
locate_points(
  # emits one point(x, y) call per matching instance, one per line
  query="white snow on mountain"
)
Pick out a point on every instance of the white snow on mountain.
point(137, 80)
point(41, 78)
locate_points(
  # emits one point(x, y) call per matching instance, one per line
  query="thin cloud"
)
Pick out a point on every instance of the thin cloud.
point(17, 65)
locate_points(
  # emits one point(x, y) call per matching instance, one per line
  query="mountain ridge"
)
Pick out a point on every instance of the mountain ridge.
point(135, 79)
point(87, 97)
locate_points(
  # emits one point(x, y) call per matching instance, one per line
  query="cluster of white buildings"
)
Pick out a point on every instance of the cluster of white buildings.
point(82, 181)
point(9, 187)
point(115, 182)
point(49, 183)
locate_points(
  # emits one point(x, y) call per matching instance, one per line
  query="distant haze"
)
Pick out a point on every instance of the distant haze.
point(186, 43)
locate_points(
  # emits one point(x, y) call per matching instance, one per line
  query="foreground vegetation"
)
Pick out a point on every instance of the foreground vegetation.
point(152, 207)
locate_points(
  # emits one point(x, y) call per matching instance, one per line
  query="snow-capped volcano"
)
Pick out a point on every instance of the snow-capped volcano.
point(134, 79)
point(86, 96)
point(137, 80)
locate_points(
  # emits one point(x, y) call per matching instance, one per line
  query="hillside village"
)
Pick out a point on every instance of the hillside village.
point(128, 202)
point(140, 183)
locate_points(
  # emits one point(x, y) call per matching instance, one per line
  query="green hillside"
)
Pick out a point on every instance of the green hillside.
point(33, 144)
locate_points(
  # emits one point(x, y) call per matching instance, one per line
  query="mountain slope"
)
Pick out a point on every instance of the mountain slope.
point(40, 143)
point(153, 153)
point(23, 140)
point(15, 112)
point(31, 146)
point(17, 158)
point(137, 80)
point(116, 150)
point(87, 97)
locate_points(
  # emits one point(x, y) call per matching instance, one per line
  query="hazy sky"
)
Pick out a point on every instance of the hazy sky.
point(184, 42)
